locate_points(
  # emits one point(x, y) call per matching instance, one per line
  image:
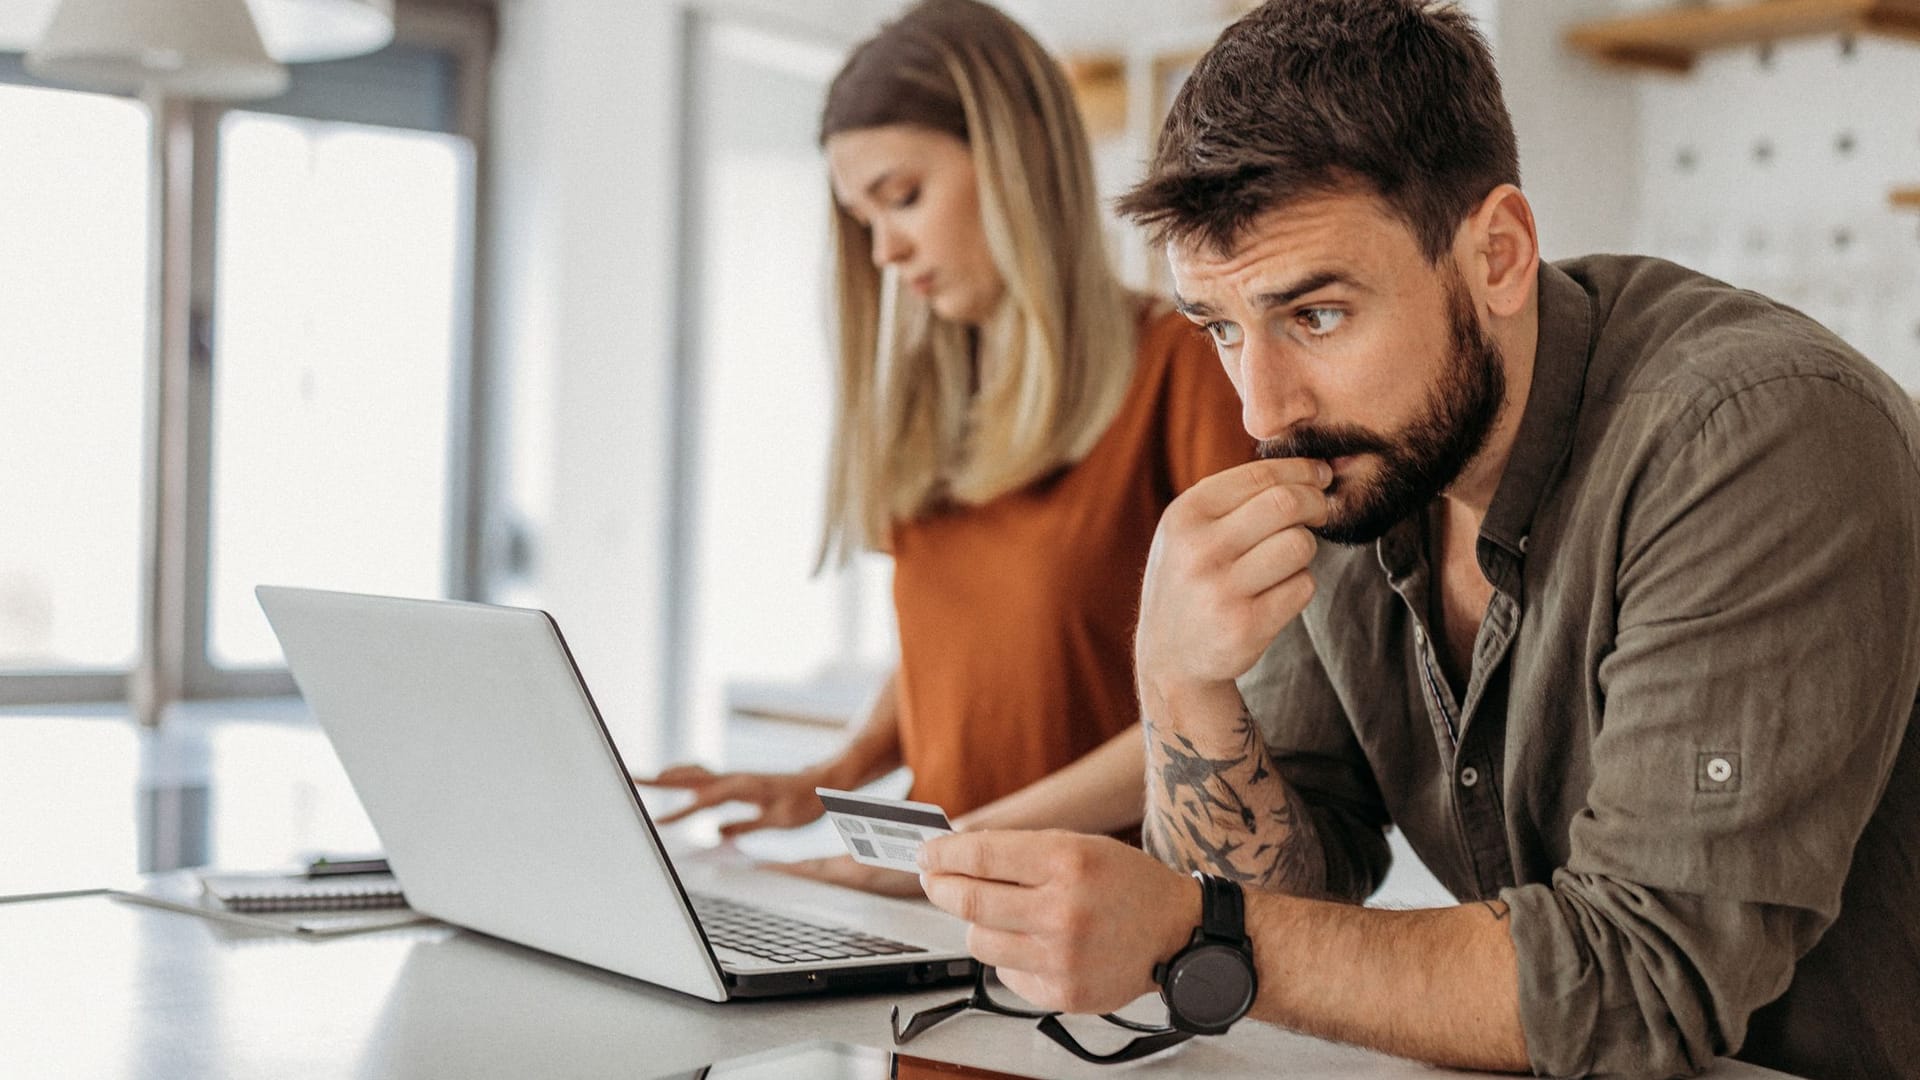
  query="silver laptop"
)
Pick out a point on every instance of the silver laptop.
point(503, 806)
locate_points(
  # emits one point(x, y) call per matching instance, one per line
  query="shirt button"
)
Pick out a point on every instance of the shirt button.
point(1523, 545)
point(1470, 776)
point(1719, 770)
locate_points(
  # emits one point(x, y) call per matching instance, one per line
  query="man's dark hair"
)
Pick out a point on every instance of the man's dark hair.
point(1305, 97)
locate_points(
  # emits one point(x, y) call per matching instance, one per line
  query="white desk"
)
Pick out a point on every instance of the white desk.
point(94, 987)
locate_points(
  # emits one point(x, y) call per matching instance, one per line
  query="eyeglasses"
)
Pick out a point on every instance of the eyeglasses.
point(1153, 1038)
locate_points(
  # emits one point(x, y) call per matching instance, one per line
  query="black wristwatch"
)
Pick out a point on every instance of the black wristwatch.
point(1210, 983)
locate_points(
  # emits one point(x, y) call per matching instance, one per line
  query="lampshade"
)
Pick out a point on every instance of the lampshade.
point(296, 31)
point(191, 48)
point(22, 22)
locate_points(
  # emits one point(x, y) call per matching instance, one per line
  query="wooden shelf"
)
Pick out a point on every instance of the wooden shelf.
point(1907, 198)
point(1099, 84)
point(1672, 40)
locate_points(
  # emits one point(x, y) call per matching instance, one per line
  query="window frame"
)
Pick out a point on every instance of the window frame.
point(173, 661)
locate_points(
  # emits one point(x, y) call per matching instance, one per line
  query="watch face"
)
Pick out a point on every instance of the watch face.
point(1211, 986)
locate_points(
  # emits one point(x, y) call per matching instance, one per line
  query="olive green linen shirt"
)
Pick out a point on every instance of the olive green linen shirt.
point(1678, 754)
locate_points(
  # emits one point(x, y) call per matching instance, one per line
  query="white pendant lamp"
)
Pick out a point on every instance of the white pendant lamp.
point(187, 48)
point(193, 48)
point(297, 31)
point(22, 22)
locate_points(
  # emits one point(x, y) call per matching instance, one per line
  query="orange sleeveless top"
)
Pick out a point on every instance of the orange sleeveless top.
point(1017, 616)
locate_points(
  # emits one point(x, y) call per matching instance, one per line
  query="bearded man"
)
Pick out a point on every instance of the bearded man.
point(1618, 618)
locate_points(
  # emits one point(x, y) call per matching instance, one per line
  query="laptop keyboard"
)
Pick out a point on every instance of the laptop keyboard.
point(782, 938)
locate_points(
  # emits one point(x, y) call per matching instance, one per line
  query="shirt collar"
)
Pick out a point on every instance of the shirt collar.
point(1545, 434)
point(1553, 405)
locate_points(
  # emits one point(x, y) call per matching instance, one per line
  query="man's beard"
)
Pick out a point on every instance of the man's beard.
point(1424, 458)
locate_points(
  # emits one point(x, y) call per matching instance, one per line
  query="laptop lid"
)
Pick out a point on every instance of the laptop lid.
point(497, 793)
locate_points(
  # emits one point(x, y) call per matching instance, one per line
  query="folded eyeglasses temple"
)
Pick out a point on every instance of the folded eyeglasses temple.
point(1138, 1047)
point(1154, 1037)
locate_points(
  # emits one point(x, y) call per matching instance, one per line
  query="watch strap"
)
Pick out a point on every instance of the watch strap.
point(1223, 909)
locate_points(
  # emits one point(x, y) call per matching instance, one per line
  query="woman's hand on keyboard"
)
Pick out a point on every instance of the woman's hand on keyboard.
point(785, 800)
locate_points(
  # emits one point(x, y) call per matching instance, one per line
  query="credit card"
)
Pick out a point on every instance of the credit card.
point(883, 832)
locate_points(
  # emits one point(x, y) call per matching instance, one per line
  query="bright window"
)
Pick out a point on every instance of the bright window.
point(336, 338)
point(73, 251)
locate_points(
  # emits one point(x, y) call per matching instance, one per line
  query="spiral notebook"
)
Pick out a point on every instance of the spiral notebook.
point(297, 892)
point(184, 891)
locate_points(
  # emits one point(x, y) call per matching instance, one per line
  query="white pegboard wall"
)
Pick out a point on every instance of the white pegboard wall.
point(1771, 168)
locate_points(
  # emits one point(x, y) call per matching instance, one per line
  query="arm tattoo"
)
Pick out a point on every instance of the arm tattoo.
point(1297, 855)
point(1216, 857)
point(1499, 910)
point(1153, 837)
point(1187, 769)
point(1230, 814)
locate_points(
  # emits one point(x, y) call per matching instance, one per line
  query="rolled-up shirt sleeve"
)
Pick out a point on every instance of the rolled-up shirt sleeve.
point(1617, 979)
point(1762, 673)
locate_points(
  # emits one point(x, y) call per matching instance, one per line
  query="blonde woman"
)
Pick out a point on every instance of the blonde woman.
point(1010, 424)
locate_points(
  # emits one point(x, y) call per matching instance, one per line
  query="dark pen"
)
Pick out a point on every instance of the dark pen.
point(325, 867)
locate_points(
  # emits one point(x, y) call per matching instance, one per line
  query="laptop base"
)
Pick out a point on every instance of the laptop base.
point(917, 975)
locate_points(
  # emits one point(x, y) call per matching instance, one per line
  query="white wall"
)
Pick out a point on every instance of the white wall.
point(1578, 126)
point(1772, 171)
point(584, 120)
point(583, 204)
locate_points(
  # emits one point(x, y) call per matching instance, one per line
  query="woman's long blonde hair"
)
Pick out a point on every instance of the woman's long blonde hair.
point(911, 430)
